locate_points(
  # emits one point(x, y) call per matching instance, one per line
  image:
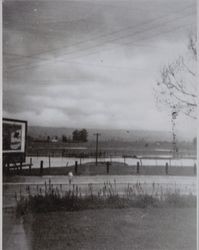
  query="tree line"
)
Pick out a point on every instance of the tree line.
point(77, 136)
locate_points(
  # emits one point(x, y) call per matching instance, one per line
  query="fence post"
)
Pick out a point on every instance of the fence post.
point(138, 167)
point(166, 168)
point(124, 159)
point(30, 166)
point(107, 167)
point(8, 168)
point(17, 167)
point(41, 167)
point(76, 166)
point(49, 161)
point(195, 169)
point(20, 166)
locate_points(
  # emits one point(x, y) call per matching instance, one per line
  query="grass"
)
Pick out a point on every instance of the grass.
point(118, 229)
point(74, 199)
point(57, 218)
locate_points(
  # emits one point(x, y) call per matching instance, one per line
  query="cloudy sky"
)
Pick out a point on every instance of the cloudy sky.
point(92, 64)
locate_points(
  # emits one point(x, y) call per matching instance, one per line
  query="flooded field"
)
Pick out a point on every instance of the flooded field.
point(69, 161)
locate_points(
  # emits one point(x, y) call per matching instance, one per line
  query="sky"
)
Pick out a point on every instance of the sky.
point(92, 64)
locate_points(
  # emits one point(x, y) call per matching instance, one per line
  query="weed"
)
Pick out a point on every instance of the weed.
point(58, 198)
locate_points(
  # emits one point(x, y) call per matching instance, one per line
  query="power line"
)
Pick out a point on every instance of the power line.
point(131, 42)
point(154, 36)
point(112, 40)
point(91, 48)
point(111, 33)
point(96, 46)
point(118, 67)
point(138, 32)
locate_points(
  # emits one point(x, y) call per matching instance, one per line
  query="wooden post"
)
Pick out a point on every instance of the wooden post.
point(76, 166)
point(8, 168)
point(30, 166)
point(17, 169)
point(107, 167)
point(20, 166)
point(166, 168)
point(49, 161)
point(41, 167)
point(138, 167)
point(195, 169)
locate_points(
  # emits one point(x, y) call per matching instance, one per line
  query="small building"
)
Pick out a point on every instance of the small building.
point(54, 139)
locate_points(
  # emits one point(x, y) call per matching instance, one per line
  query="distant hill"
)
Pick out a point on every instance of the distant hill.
point(106, 134)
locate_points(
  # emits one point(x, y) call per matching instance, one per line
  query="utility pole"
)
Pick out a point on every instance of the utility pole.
point(174, 116)
point(97, 136)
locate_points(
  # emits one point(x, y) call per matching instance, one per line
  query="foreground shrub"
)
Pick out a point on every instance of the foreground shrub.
point(177, 200)
point(55, 199)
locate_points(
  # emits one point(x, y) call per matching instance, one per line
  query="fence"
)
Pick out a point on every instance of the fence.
point(117, 166)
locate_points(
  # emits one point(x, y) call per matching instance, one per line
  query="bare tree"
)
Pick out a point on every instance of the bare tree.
point(177, 87)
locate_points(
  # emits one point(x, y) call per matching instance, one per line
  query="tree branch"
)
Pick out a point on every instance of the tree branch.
point(188, 69)
point(185, 101)
point(170, 84)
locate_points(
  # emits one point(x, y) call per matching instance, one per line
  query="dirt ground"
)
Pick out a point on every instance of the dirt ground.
point(118, 229)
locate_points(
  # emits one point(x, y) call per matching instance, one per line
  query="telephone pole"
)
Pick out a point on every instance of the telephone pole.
point(97, 136)
point(174, 116)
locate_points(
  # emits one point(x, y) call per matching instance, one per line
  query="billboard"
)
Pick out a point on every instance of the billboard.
point(14, 140)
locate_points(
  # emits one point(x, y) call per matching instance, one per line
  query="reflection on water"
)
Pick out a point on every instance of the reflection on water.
point(70, 161)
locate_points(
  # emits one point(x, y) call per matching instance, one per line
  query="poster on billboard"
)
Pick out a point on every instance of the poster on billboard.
point(14, 137)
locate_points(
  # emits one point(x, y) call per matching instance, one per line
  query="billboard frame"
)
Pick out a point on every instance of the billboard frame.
point(15, 157)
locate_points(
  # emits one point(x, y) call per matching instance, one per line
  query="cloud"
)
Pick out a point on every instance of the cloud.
point(90, 64)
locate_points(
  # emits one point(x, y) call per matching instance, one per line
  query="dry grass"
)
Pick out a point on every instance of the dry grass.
point(56, 199)
point(114, 229)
